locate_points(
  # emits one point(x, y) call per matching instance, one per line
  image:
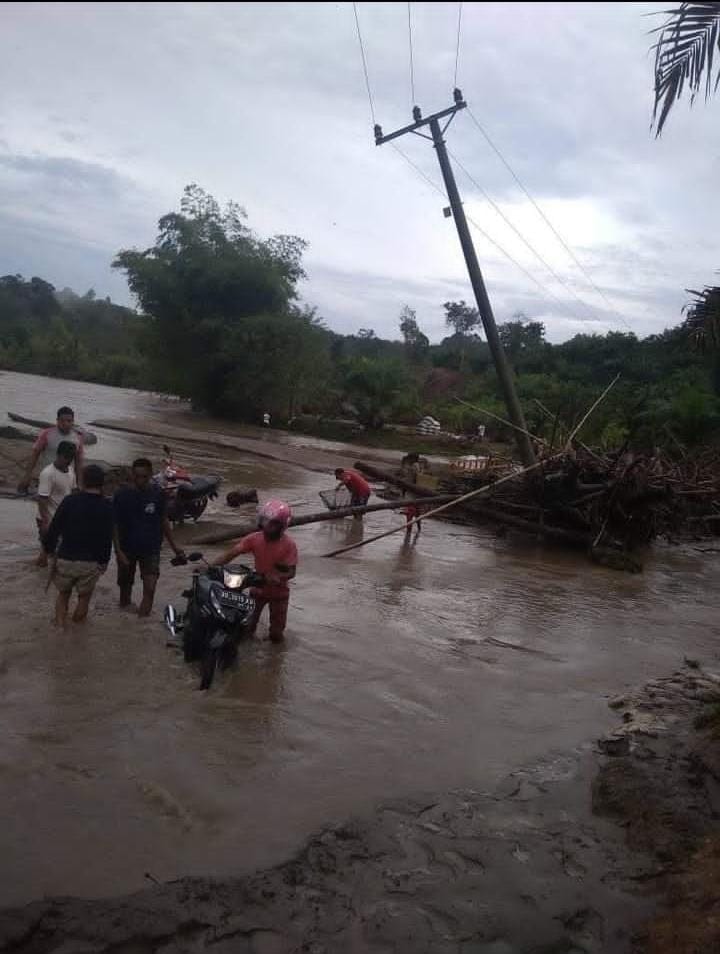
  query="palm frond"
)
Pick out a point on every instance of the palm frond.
point(703, 318)
point(684, 55)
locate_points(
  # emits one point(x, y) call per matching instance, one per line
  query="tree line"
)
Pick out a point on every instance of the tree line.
point(220, 323)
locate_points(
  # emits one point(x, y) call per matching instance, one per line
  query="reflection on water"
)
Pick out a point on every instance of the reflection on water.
point(409, 666)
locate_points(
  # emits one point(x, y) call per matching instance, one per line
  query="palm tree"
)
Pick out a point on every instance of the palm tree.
point(684, 55)
point(703, 318)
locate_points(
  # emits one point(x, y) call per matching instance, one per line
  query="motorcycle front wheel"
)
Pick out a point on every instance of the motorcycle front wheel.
point(208, 667)
point(198, 508)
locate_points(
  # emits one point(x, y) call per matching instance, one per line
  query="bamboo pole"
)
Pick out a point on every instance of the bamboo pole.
point(591, 409)
point(453, 503)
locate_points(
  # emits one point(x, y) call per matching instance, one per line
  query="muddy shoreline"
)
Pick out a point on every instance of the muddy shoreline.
point(573, 854)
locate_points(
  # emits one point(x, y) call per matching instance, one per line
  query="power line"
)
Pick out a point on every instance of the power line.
point(545, 291)
point(412, 70)
point(457, 45)
point(547, 221)
point(528, 245)
point(543, 288)
point(364, 63)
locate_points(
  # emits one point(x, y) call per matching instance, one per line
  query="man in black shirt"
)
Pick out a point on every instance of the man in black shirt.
point(83, 524)
point(140, 524)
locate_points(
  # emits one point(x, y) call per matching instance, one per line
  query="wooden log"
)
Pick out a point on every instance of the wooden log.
point(304, 519)
point(375, 473)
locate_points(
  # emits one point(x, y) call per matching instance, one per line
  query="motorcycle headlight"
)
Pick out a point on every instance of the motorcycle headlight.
point(233, 580)
point(215, 603)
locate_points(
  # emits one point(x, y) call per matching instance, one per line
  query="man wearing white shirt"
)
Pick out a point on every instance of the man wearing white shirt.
point(55, 482)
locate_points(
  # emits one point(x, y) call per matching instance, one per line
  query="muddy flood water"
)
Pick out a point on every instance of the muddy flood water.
point(406, 669)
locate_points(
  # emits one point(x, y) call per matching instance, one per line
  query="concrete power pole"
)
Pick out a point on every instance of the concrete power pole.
point(502, 368)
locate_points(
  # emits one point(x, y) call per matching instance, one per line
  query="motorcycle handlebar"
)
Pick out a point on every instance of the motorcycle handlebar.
point(253, 578)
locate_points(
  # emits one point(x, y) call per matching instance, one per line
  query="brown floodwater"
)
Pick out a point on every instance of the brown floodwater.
point(406, 669)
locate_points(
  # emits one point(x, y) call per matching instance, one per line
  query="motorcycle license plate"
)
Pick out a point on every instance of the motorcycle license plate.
point(231, 597)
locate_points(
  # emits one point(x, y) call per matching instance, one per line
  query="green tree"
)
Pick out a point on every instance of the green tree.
point(417, 344)
point(374, 386)
point(703, 318)
point(463, 319)
point(206, 274)
point(520, 337)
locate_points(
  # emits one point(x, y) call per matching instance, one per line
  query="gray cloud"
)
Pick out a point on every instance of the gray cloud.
point(265, 103)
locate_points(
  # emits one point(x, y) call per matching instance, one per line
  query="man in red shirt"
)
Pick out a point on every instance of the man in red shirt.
point(357, 485)
point(276, 558)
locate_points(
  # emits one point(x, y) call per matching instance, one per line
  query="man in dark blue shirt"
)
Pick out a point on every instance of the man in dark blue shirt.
point(140, 524)
point(83, 525)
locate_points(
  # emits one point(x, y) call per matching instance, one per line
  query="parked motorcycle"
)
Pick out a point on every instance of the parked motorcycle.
point(217, 615)
point(186, 496)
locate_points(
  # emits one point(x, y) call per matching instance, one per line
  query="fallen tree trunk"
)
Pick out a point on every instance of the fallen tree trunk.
point(375, 473)
point(301, 521)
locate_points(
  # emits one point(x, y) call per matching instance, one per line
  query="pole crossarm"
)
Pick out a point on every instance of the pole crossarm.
point(380, 139)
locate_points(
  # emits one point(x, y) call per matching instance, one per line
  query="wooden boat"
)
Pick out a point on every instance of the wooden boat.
point(88, 436)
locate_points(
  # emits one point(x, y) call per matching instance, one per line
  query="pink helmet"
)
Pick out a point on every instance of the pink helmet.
point(275, 510)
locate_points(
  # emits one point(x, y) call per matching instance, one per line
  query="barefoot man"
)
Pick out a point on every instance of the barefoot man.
point(83, 525)
point(140, 524)
point(55, 482)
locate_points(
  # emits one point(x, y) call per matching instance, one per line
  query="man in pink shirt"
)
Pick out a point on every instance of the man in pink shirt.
point(276, 558)
point(46, 446)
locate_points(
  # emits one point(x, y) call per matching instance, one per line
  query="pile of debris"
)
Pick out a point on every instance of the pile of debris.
point(605, 503)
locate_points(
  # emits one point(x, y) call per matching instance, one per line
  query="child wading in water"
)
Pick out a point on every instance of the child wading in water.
point(412, 511)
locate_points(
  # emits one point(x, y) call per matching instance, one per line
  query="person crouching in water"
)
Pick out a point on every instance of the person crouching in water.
point(83, 524)
point(276, 557)
point(357, 485)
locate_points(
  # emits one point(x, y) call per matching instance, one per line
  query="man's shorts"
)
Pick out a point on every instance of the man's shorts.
point(149, 566)
point(81, 575)
point(359, 500)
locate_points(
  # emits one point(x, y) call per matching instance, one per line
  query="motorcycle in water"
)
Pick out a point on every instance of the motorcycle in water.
point(217, 615)
point(186, 496)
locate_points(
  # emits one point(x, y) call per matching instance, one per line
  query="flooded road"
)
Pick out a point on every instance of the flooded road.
point(406, 669)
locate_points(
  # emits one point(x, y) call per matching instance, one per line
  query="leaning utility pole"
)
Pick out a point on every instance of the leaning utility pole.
point(481, 296)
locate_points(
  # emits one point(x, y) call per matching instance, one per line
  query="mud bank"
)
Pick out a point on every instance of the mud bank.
point(305, 453)
point(534, 866)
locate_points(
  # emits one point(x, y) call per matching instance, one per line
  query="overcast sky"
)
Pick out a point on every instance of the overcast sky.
point(108, 110)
